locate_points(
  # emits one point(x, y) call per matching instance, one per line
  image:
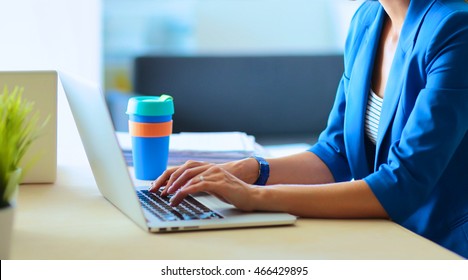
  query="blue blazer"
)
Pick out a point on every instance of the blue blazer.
point(420, 173)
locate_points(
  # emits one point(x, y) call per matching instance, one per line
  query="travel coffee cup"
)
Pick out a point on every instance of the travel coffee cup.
point(150, 125)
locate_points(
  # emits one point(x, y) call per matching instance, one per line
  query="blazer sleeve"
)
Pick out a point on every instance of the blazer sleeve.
point(330, 147)
point(435, 128)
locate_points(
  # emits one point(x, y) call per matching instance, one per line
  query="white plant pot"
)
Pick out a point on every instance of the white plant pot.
point(6, 228)
point(7, 215)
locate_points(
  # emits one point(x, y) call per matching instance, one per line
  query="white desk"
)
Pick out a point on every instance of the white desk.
point(71, 220)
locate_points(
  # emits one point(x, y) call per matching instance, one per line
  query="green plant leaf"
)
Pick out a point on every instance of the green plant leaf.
point(20, 126)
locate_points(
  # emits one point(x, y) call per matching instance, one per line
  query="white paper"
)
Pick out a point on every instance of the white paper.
point(215, 147)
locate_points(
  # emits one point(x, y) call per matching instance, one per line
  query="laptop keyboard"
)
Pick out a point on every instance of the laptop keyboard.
point(188, 209)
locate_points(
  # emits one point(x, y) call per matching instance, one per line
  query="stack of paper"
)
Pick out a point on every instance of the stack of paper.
point(217, 147)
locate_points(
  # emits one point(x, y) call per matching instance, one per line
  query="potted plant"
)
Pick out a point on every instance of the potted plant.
point(19, 127)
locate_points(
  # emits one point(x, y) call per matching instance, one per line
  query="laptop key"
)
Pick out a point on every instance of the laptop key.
point(189, 209)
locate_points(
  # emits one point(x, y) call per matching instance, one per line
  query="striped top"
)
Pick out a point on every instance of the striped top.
point(374, 107)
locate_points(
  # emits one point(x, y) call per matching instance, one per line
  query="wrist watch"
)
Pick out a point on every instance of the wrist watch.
point(263, 171)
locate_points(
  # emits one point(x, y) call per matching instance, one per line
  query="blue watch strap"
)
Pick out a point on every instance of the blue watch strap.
point(263, 171)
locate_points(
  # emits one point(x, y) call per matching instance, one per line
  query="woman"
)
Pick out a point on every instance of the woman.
point(395, 145)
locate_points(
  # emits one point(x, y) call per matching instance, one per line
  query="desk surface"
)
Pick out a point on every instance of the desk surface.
point(71, 220)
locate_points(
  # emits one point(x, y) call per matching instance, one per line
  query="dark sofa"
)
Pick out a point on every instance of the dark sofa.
point(287, 98)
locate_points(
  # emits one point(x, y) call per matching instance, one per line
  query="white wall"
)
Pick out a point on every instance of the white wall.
point(52, 34)
point(225, 26)
point(273, 26)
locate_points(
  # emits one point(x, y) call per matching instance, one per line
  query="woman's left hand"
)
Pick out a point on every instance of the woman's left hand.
point(220, 183)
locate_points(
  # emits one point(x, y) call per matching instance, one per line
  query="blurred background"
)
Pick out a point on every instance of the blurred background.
point(266, 67)
point(218, 27)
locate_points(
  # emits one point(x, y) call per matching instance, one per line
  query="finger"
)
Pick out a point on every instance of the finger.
point(187, 175)
point(187, 165)
point(178, 172)
point(165, 179)
point(193, 186)
point(162, 180)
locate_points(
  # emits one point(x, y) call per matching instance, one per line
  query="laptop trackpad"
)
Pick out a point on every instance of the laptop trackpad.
point(215, 204)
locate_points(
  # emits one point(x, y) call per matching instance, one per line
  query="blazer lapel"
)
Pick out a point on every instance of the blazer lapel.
point(397, 77)
point(357, 95)
point(391, 99)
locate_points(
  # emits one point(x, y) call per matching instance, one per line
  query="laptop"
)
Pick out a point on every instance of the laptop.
point(40, 87)
point(115, 182)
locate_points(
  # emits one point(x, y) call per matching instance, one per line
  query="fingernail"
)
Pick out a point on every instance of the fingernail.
point(171, 201)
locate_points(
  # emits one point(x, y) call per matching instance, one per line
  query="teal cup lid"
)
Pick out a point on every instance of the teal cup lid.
point(151, 105)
